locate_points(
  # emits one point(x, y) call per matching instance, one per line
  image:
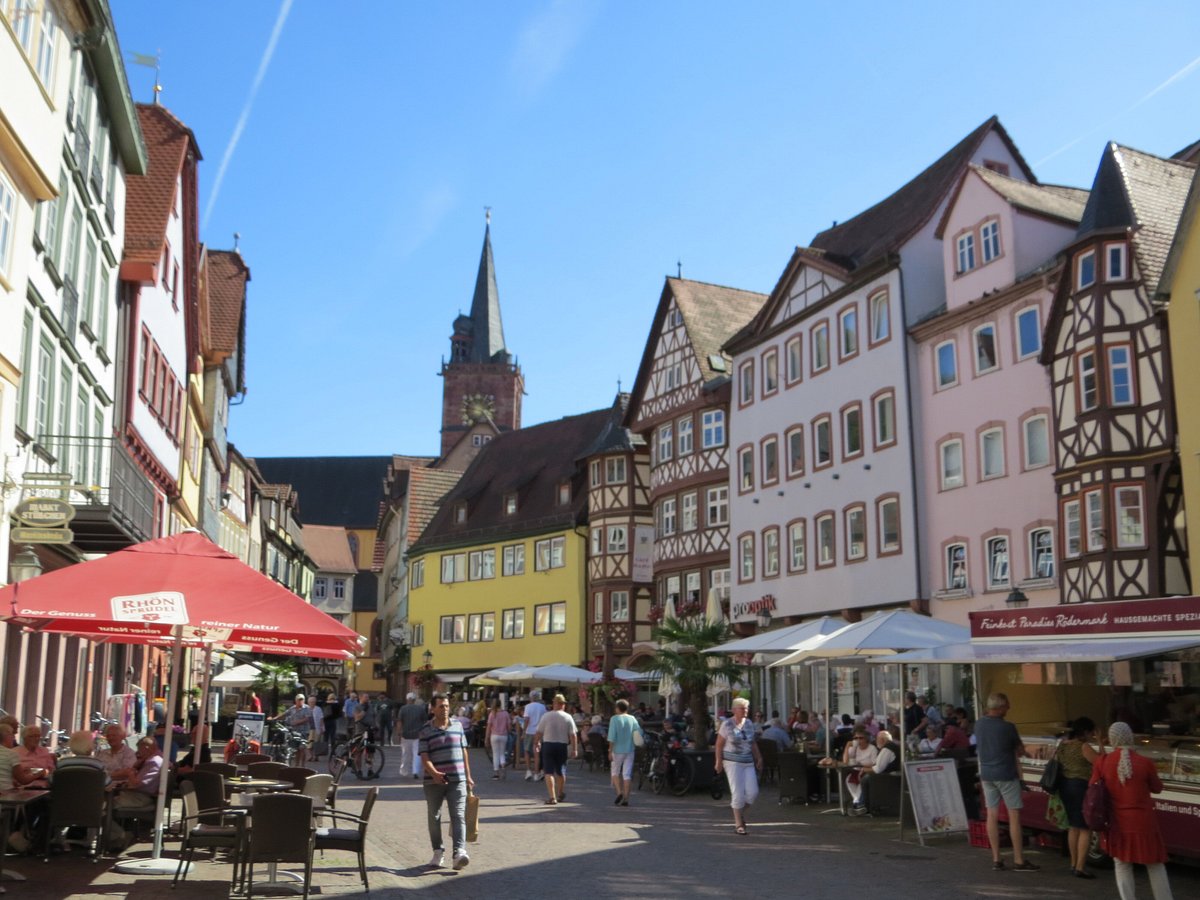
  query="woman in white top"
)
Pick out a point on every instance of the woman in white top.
point(860, 755)
point(737, 755)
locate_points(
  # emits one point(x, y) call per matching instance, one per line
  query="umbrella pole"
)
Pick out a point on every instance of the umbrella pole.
point(155, 864)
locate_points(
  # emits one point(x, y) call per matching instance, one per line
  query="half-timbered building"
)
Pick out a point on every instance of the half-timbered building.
point(1120, 496)
point(680, 406)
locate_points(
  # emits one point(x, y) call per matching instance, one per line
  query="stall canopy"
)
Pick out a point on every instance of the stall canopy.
point(782, 640)
point(882, 633)
point(1034, 651)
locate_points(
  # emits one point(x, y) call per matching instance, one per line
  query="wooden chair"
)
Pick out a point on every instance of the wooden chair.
point(77, 797)
point(352, 839)
point(283, 833)
point(211, 794)
point(198, 834)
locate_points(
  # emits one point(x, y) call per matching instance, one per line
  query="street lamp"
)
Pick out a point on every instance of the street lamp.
point(1016, 599)
point(24, 565)
point(427, 656)
point(763, 619)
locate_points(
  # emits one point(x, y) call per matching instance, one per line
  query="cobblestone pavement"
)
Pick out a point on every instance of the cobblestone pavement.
point(659, 847)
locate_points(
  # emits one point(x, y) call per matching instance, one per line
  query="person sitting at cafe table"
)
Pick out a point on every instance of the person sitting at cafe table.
point(36, 762)
point(887, 760)
point(9, 760)
point(860, 756)
point(929, 744)
point(118, 758)
point(83, 750)
point(953, 738)
point(139, 789)
point(777, 733)
point(187, 764)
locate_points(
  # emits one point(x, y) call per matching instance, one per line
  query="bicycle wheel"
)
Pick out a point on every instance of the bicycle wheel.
point(341, 753)
point(372, 762)
point(684, 772)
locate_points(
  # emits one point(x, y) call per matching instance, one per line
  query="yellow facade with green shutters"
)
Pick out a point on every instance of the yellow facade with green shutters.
point(1182, 286)
point(500, 602)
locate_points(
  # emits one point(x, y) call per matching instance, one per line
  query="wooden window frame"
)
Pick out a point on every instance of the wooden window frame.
point(938, 385)
point(948, 564)
point(1079, 379)
point(830, 516)
point(1117, 489)
point(791, 543)
point(1032, 416)
point(1065, 517)
point(745, 386)
point(984, 259)
point(821, 326)
point(980, 434)
point(771, 531)
point(989, 541)
point(881, 547)
point(1122, 249)
point(746, 541)
point(741, 471)
point(1098, 545)
point(766, 478)
point(845, 355)
point(843, 414)
point(883, 394)
point(1018, 352)
point(815, 429)
point(884, 295)
point(679, 433)
point(941, 462)
point(1031, 551)
point(789, 378)
point(847, 512)
point(975, 361)
point(1109, 367)
point(795, 430)
point(1079, 283)
point(770, 360)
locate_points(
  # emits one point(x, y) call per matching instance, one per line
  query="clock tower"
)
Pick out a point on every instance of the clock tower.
point(482, 383)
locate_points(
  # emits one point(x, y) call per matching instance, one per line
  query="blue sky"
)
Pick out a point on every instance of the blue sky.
point(611, 140)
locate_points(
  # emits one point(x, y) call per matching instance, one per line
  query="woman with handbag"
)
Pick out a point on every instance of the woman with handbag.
point(1075, 757)
point(1133, 835)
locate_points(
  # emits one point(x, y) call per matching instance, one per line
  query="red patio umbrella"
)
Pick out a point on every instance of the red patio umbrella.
point(181, 590)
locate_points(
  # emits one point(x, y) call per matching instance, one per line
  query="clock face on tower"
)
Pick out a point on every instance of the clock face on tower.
point(477, 408)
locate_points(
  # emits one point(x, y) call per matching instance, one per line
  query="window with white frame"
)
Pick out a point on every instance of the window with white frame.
point(614, 470)
point(454, 567)
point(716, 506)
point(1114, 262)
point(618, 539)
point(549, 554)
point(320, 588)
point(666, 442)
point(514, 560)
point(692, 587)
point(1085, 270)
point(795, 450)
point(1093, 502)
point(797, 558)
point(947, 364)
point(991, 453)
point(1120, 375)
point(1072, 542)
point(825, 540)
point(481, 564)
point(997, 562)
point(965, 247)
point(856, 533)
point(881, 321)
point(852, 431)
point(453, 630)
point(770, 552)
point(951, 456)
point(595, 477)
point(770, 460)
point(1029, 333)
point(689, 512)
point(8, 212)
point(619, 606)
point(668, 516)
point(672, 586)
point(416, 574)
point(1036, 433)
point(597, 540)
point(746, 557)
point(848, 333)
point(598, 607)
point(822, 442)
point(550, 618)
point(746, 382)
point(684, 435)
point(1041, 553)
point(989, 239)
point(889, 526)
point(718, 583)
point(956, 567)
point(770, 373)
point(820, 347)
point(1131, 530)
point(712, 428)
point(793, 360)
point(746, 469)
point(339, 589)
point(1088, 394)
point(985, 348)
point(885, 419)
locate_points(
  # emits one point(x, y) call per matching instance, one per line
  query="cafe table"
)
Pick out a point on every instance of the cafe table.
point(10, 803)
point(241, 784)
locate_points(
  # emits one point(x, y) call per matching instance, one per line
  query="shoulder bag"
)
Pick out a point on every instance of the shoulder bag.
point(639, 739)
point(1052, 775)
point(1095, 801)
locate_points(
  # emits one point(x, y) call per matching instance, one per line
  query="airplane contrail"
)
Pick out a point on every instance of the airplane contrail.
point(1182, 73)
point(284, 8)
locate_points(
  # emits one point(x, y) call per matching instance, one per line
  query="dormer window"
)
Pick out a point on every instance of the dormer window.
point(996, 166)
point(966, 252)
point(989, 237)
point(510, 504)
point(564, 493)
point(460, 513)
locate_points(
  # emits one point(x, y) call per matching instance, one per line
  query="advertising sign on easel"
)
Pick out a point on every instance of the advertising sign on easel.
point(936, 797)
point(252, 722)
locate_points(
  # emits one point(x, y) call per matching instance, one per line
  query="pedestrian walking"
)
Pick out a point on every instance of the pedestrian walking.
point(557, 742)
point(621, 750)
point(738, 757)
point(534, 710)
point(1133, 833)
point(447, 768)
point(1000, 750)
point(383, 719)
point(496, 736)
point(413, 716)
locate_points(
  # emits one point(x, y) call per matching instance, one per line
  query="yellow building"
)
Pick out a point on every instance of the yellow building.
point(1179, 287)
point(498, 576)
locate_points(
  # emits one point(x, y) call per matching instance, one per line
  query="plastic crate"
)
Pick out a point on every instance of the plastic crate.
point(977, 833)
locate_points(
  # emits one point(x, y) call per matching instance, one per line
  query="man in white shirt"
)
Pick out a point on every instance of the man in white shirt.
point(9, 759)
point(555, 732)
point(534, 710)
point(887, 760)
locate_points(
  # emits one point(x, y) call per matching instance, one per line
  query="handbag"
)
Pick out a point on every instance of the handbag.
point(472, 816)
point(1052, 775)
point(1096, 802)
point(639, 739)
point(1056, 813)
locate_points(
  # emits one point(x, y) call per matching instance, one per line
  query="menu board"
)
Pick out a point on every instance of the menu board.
point(936, 796)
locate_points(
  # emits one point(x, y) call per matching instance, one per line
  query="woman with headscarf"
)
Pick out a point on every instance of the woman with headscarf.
point(1133, 835)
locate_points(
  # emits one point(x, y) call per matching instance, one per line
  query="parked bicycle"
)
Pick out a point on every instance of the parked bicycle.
point(361, 754)
point(670, 768)
point(285, 744)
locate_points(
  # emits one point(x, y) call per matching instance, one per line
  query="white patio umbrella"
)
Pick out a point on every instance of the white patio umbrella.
point(243, 676)
point(631, 675)
point(882, 633)
point(666, 684)
point(714, 615)
point(510, 674)
point(560, 673)
point(782, 640)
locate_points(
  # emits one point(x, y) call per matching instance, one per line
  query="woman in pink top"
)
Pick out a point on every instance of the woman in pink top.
point(498, 724)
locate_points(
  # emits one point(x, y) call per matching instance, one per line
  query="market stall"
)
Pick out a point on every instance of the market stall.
point(1132, 661)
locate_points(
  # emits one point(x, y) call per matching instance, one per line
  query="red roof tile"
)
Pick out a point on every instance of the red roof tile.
point(149, 197)
point(228, 275)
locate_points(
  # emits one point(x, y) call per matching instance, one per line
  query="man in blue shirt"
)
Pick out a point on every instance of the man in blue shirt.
point(1000, 749)
point(777, 733)
point(443, 749)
